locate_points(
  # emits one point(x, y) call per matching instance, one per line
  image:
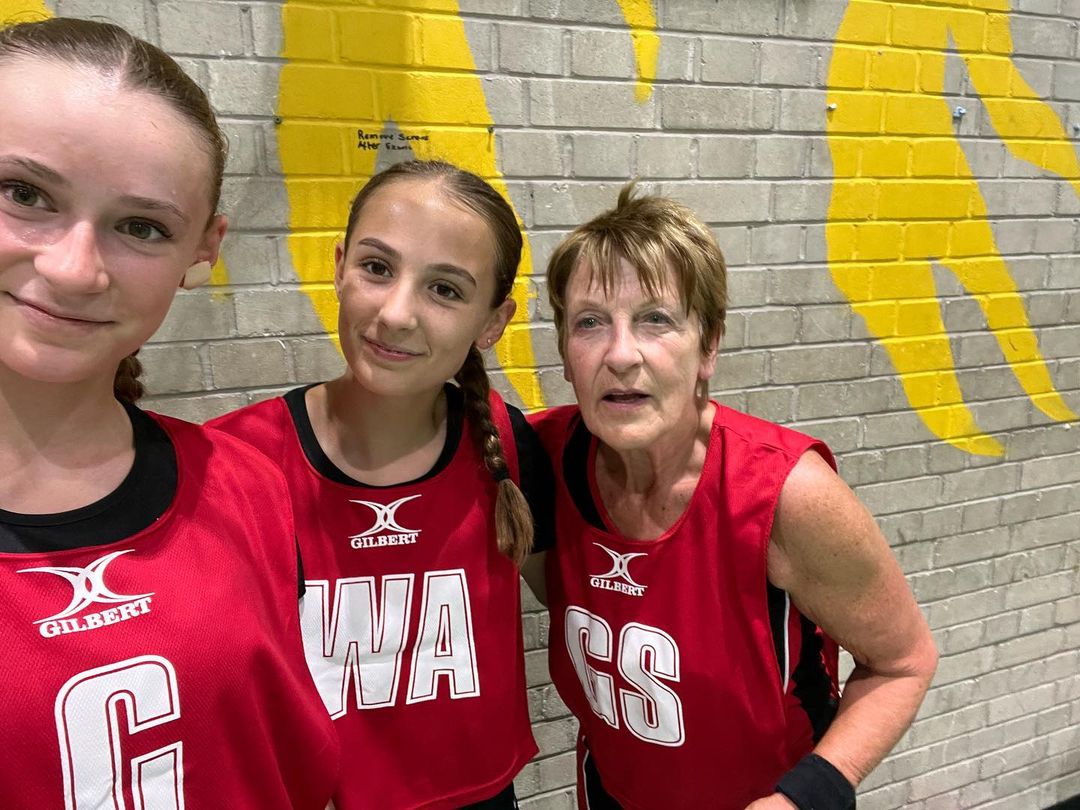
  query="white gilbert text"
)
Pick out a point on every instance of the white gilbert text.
point(615, 585)
point(404, 539)
point(92, 621)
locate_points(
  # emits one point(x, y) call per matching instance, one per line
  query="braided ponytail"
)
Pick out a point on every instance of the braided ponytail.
point(126, 385)
point(513, 518)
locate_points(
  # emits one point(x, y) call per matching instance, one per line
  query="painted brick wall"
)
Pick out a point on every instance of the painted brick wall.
point(733, 118)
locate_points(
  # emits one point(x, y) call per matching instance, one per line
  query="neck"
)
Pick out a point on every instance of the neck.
point(378, 439)
point(62, 445)
point(646, 491)
point(657, 469)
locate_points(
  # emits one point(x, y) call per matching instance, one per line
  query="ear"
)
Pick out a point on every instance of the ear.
point(210, 244)
point(339, 265)
point(206, 254)
point(707, 366)
point(196, 275)
point(496, 324)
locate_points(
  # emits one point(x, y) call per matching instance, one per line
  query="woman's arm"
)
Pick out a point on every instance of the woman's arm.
point(829, 555)
point(532, 570)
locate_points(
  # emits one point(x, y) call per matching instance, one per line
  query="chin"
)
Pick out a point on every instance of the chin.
point(68, 359)
point(624, 438)
point(389, 382)
point(621, 430)
point(55, 367)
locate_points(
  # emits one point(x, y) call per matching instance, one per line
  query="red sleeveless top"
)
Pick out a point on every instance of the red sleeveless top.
point(696, 683)
point(166, 670)
point(411, 622)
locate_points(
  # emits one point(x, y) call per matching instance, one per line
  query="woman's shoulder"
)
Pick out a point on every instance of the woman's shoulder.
point(745, 429)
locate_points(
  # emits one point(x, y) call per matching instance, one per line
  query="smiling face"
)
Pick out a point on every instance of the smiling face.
point(104, 202)
point(416, 283)
point(634, 359)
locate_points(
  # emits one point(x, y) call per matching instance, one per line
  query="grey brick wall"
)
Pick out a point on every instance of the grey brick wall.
point(735, 126)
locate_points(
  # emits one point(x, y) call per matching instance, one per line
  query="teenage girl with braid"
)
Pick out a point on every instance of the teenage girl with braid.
point(415, 499)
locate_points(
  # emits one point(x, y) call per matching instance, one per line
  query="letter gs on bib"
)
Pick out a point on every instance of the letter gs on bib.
point(645, 657)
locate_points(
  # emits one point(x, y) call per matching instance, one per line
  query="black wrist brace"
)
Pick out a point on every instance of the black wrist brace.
point(815, 784)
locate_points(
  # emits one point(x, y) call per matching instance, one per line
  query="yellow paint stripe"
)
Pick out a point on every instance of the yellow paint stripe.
point(640, 16)
point(418, 79)
point(12, 11)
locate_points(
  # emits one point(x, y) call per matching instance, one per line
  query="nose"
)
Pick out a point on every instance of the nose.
point(623, 352)
point(74, 262)
point(398, 312)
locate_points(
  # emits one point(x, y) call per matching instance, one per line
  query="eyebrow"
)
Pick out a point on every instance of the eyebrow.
point(151, 204)
point(601, 303)
point(32, 166)
point(441, 267)
point(379, 245)
point(44, 172)
point(588, 303)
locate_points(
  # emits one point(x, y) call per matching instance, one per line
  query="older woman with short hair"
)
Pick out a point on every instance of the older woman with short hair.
point(707, 559)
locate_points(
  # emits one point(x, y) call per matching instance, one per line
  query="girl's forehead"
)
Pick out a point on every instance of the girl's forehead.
point(402, 203)
point(90, 128)
point(420, 212)
point(91, 94)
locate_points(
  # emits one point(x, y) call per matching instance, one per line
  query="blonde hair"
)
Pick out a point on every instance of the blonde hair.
point(652, 233)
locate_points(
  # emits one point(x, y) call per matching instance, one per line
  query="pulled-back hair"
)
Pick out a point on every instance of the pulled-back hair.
point(652, 233)
point(140, 66)
point(513, 520)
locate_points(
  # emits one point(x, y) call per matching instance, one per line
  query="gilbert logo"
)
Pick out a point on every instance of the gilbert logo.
point(386, 531)
point(90, 589)
point(618, 578)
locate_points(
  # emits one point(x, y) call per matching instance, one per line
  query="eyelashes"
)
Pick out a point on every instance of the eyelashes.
point(26, 196)
point(379, 269)
point(144, 230)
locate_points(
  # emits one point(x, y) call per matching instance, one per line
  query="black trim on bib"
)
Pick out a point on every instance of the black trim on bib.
point(576, 474)
point(537, 478)
point(813, 686)
point(142, 497)
point(316, 456)
point(778, 603)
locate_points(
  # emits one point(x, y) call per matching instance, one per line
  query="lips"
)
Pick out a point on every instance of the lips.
point(57, 313)
point(625, 397)
point(389, 351)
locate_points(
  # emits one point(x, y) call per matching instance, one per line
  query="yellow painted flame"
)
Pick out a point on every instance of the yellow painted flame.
point(904, 196)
